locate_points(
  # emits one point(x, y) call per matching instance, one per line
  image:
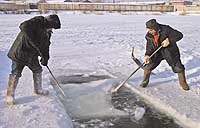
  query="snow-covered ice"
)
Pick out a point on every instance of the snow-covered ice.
point(104, 42)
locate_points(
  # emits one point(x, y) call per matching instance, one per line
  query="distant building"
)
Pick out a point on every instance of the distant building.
point(180, 3)
point(170, 2)
point(197, 2)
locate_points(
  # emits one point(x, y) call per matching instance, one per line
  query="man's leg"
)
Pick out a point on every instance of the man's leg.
point(147, 71)
point(179, 68)
point(37, 78)
point(145, 81)
point(13, 81)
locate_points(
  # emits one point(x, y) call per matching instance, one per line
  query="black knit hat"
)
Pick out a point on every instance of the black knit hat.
point(53, 21)
point(152, 24)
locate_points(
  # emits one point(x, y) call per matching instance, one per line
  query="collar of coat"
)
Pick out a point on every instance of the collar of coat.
point(150, 36)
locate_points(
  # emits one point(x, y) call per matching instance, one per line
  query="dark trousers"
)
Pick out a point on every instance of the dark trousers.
point(17, 67)
point(178, 67)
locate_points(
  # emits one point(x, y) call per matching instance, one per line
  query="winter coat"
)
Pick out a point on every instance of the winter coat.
point(170, 53)
point(32, 41)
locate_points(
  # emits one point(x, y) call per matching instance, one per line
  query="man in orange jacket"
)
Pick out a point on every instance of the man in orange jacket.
point(157, 35)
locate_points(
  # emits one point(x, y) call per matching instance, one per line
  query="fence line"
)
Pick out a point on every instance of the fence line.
point(87, 7)
point(42, 7)
point(13, 6)
point(105, 7)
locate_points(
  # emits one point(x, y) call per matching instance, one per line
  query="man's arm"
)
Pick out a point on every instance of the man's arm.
point(45, 50)
point(45, 55)
point(174, 35)
point(148, 45)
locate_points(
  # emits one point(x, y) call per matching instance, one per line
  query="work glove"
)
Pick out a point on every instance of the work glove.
point(43, 61)
point(165, 43)
point(146, 59)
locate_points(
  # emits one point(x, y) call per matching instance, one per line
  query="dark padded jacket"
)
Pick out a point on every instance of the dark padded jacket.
point(32, 41)
point(170, 53)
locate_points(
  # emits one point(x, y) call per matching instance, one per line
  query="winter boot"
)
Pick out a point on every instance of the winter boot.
point(145, 81)
point(37, 79)
point(12, 84)
point(182, 81)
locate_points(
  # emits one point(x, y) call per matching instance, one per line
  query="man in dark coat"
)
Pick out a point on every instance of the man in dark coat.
point(32, 41)
point(157, 35)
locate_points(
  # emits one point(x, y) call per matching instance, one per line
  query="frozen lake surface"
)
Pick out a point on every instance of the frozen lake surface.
point(102, 43)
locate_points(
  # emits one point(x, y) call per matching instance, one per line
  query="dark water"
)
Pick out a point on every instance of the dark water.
point(127, 101)
point(140, 115)
point(79, 79)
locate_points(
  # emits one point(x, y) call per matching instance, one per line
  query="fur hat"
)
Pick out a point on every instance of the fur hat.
point(152, 24)
point(53, 21)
